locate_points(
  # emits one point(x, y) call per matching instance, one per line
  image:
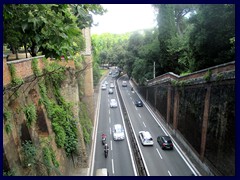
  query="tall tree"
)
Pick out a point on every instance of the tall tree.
point(53, 29)
point(211, 41)
point(166, 27)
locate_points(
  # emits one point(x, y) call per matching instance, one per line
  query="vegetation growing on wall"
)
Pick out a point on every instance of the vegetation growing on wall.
point(7, 117)
point(14, 79)
point(59, 111)
point(85, 122)
point(31, 114)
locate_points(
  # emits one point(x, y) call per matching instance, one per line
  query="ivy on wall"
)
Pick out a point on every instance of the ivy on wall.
point(31, 114)
point(59, 111)
point(85, 122)
point(7, 117)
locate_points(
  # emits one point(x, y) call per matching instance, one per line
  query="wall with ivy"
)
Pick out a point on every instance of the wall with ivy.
point(43, 131)
point(184, 104)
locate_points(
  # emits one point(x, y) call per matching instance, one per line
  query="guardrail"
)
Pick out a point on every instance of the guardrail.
point(137, 155)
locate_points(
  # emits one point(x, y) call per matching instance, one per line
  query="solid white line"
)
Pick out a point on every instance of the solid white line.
point(159, 153)
point(111, 145)
point(139, 115)
point(112, 167)
point(169, 173)
point(179, 150)
point(144, 124)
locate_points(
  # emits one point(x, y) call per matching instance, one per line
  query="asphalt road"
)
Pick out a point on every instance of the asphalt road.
point(119, 161)
point(158, 162)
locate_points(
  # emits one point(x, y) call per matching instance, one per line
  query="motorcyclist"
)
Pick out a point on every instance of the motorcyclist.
point(104, 136)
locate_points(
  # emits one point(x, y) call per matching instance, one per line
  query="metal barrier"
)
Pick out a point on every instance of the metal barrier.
point(137, 155)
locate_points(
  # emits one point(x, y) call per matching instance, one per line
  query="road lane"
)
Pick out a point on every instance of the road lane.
point(171, 162)
point(119, 161)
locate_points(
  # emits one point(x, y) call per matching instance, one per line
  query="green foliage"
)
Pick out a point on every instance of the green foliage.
point(60, 113)
point(31, 114)
point(208, 76)
point(28, 25)
point(29, 153)
point(47, 158)
point(214, 26)
point(35, 68)
point(85, 122)
point(7, 117)
point(14, 80)
point(219, 77)
point(53, 158)
point(9, 173)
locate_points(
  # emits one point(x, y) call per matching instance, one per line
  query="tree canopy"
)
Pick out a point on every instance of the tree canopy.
point(53, 29)
point(188, 38)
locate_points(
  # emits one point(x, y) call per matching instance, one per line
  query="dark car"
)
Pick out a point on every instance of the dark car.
point(139, 103)
point(165, 142)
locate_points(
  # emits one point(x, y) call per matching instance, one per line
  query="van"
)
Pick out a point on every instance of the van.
point(102, 172)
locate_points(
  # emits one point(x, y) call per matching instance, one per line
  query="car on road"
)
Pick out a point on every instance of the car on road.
point(102, 172)
point(106, 83)
point(139, 103)
point(104, 87)
point(124, 84)
point(113, 103)
point(165, 142)
point(146, 138)
point(111, 85)
point(118, 132)
point(110, 91)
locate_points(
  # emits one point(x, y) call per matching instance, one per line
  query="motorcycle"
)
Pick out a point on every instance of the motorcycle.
point(106, 153)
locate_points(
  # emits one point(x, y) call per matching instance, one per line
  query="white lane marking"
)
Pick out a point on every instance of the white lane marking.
point(112, 167)
point(136, 108)
point(139, 115)
point(130, 97)
point(144, 124)
point(179, 150)
point(111, 144)
point(109, 111)
point(159, 153)
point(169, 173)
point(109, 120)
point(110, 131)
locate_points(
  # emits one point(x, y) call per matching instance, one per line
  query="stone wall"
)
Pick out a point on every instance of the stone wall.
point(199, 107)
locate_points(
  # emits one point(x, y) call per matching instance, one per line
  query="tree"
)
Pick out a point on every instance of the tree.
point(167, 30)
point(53, 29)
point(211, 39)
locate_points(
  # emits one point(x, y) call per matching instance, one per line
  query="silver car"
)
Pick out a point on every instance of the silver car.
point(118, 132)
point(113, 103)
point(146, 138)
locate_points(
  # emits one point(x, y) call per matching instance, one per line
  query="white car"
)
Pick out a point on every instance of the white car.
point(104, 86)
point(113, 103)
point(118, 132)
point(146, 138)
point(111, 85)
